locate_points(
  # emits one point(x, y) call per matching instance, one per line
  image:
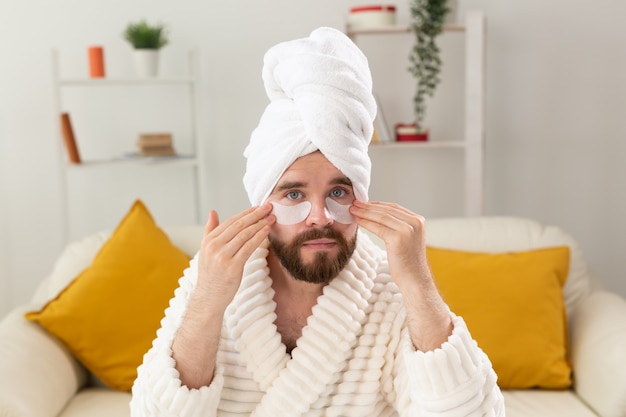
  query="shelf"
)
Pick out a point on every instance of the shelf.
point(421, 145)
point(137, 160)
point(397, 29)
point(472, 145)
point(160, 166)
point(125, 81)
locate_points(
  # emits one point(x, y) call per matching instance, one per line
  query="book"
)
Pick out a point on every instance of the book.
point(154, 140)
point(157, 151)
point(155, 144)
point(67, 132)
point(380, 124)
point(375, 137)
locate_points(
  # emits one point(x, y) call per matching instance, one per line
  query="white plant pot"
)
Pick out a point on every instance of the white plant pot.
point(146, 62)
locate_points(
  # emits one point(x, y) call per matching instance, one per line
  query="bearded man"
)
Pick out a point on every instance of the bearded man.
point(289, 308)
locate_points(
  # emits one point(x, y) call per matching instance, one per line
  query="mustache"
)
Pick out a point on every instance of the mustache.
point(312, 234)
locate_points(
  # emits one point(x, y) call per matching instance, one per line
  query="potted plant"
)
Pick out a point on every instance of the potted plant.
point(146, 40)
point(428, 19)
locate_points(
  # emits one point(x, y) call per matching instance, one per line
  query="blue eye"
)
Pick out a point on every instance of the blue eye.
point(338, 193)
point(294, 195)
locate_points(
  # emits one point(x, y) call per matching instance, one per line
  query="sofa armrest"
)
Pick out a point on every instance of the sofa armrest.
point(37, 374)
point(598, 346)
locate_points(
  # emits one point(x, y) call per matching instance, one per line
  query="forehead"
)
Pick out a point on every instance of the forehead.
point(315, 160)
point(313, 168)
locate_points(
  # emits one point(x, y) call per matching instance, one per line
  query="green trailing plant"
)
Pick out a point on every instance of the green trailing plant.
point(427, 23)
point(141, 35)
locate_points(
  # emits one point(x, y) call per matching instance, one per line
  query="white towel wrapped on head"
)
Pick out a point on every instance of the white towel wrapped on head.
point(320, 91)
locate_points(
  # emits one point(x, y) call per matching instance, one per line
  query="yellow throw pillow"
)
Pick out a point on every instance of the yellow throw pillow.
point(513, 305)
point(109, 314)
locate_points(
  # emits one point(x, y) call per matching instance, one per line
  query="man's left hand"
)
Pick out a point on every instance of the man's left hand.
point(402, 231)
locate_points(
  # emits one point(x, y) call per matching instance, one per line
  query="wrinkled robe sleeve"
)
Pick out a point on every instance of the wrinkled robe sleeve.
point(157, 391)
point(456, 379)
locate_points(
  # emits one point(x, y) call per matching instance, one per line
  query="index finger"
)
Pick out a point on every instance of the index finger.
point(240, 221)
point(212, 222)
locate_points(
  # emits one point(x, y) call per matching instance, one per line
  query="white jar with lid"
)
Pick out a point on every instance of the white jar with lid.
point(372, 16)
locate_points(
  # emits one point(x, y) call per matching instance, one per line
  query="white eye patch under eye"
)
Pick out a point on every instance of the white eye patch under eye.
point(287, 215)
point(340, 212)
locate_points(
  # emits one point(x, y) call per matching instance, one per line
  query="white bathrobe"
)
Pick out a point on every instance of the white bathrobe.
point(355, 357)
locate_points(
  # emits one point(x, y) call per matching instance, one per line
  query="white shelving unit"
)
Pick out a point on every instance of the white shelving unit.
point(191, 159)
point(473, 143)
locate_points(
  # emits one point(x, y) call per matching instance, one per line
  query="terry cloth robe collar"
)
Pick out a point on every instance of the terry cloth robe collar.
point(327, 339)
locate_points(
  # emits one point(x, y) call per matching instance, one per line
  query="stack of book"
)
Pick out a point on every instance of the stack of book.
point(155, 144)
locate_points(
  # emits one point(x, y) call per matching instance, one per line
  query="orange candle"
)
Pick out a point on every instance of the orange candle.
point(96, 61)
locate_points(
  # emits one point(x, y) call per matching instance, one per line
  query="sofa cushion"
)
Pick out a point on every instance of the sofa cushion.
point(544, 403)
point(98, 402)
point(599, 353)
point(37, 374)
point(109, 314)
point(513, 305)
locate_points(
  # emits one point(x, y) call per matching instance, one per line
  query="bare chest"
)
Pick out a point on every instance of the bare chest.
point(289, 323)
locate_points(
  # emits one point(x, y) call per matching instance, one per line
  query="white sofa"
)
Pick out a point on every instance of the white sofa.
point(39, 378)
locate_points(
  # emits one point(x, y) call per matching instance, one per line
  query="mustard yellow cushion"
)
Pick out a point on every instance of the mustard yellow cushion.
point(109, 314)
point(514, 308)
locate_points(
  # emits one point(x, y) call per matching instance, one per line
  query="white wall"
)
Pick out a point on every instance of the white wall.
point(4, 258)
point(555, 130)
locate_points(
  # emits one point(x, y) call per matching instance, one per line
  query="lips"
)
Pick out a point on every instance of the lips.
point(319, 243)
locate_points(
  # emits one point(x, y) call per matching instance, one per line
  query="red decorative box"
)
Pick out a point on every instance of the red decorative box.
point(409, 133)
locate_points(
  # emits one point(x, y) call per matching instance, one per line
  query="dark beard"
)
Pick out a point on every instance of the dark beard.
point(323, 268)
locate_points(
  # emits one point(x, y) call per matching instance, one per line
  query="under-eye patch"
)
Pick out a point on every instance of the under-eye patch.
point(288, 215)
point(340, 212)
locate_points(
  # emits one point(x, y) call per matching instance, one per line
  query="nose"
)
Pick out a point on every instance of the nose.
point(320, 215)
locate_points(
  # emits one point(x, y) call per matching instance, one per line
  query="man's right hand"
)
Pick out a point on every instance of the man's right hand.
point(225, 249)
point(223, 253)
